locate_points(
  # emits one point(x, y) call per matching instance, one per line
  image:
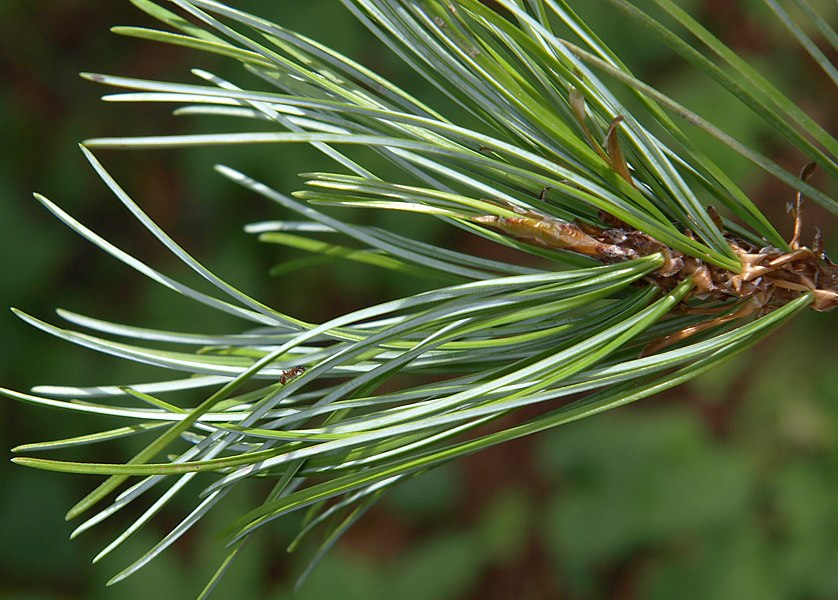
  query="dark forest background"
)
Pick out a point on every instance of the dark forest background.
point(724, 488)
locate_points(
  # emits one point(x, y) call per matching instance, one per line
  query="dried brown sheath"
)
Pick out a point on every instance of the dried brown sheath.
point(768, 278)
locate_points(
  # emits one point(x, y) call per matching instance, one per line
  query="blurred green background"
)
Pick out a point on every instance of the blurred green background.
point(724, 488)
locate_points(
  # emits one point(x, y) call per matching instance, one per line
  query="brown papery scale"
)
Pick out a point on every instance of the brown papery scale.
point(768, 279)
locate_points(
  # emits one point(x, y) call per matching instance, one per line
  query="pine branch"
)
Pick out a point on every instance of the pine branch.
point(644, 285)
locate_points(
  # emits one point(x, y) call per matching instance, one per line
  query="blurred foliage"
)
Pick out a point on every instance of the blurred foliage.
point(724, 488)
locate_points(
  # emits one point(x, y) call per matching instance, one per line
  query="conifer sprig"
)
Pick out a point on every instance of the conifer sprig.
point(550, 154)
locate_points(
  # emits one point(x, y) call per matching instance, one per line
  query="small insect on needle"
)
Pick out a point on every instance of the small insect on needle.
point(291, 374)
